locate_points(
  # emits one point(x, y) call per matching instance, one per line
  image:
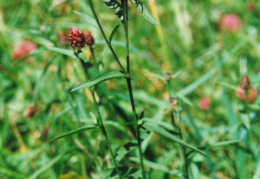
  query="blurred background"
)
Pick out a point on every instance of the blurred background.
point(207, 46)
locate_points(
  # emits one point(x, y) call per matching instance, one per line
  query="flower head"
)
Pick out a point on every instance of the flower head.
point(245, 88)
point(23, 49)
point(30, 111)
point(230, 22)
point(89, 40)
point(76, 39)
point(204, 103)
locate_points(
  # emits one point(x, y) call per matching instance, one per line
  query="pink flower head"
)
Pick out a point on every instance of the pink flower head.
point(23, 49)
point(251, 93)
point(204, 103)
point(76, 40)
point(63, 38)
point(230, 22)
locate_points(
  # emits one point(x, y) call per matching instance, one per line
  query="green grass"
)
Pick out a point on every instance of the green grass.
point(204, 60)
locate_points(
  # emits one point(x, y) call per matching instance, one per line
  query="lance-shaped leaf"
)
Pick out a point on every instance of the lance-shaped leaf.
point(63, 51)
point(88, 19)
point(159, 130)
point(140, 7)
point(88, 127)
point(113, 34)
point(103, 77)
point(221, 144)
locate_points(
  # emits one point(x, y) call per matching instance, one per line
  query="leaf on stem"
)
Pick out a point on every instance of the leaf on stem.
point(63, 51)
point(88, 19)
point(113, 34)
point(125, 150)
point(103, 77)
point(140, 7)
point(88, 127)
point(159, 130)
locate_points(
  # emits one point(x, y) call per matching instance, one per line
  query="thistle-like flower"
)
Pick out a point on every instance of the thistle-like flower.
point(76, 39)
point(244, 88)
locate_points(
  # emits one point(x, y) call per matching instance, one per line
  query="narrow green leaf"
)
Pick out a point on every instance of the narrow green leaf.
point(125, 149)
point(158, 167)
point(140, 7)
point(11, 173)
point(46, 167)
point(220, 144)
point(71, 105)
point(88, 127)
point(63, 51)
point(196, 84)
point(103, 77)
point(113, 34)
point(159, 130)
point(88, 19)
point(233, 87)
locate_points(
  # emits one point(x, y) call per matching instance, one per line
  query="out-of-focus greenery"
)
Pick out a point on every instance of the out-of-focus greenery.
point(208, 62)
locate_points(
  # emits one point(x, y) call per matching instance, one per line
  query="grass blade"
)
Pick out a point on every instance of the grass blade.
point(46, 167)
point(159, 130)
point(88, 127)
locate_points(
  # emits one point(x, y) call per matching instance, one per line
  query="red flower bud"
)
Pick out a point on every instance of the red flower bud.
point(76, 39)
point(251, 93)
point(89, 40)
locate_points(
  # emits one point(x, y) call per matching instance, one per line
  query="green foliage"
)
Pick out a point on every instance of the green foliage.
point(203, 60)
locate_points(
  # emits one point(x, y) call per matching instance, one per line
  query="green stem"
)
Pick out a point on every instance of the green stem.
point(93, 55)
point(129, 85)
point(104, 35)
point(186, 164)
point(100, 121)
point(105, 134)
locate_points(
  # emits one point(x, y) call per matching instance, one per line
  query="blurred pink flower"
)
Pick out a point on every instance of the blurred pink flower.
point(251, 93)
point(23, 49)
point(204, 103)
point(63, 38)
point(56, 2)
point(230, 22)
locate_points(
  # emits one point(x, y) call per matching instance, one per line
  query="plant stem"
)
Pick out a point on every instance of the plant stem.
point(94, 56)
point(105, 134)
point(186, 163)
point(104, 35)
point(100, 121)
point(128, 72)
point(129, 85)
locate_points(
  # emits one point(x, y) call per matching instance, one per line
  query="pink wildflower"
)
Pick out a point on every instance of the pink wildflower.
point(204, 103)
point(23, 49)
point(230, 22)
point(245, 86)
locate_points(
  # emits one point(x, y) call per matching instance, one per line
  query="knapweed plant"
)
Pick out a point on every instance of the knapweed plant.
point(140, 126)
